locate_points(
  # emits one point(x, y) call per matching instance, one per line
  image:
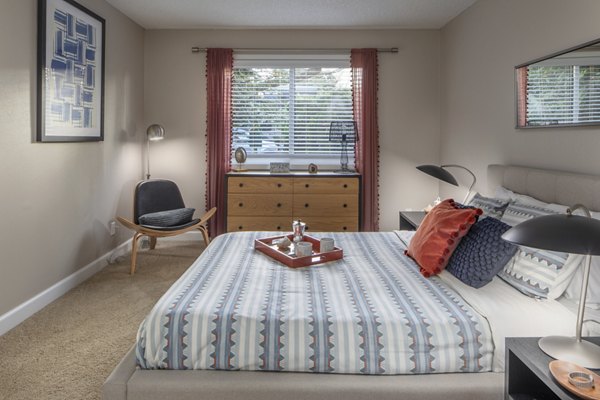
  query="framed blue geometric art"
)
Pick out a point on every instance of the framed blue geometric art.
point(70, 73)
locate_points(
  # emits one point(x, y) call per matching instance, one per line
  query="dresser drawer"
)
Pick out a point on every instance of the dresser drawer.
point(283, 224)
point(249, 184)
point(325, 205)
point(259, 204)
point(326, 185)
point(330, 224)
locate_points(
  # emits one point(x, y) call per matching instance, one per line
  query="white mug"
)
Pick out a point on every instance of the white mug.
point(327, 244)
point(303, 249)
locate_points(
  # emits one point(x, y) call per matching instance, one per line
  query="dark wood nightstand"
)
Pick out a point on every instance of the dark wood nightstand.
point(410, 220)
point(527, 374)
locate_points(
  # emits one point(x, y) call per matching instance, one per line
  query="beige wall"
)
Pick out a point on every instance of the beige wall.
point(57, 198)
point(175, 96)
point(479, 51)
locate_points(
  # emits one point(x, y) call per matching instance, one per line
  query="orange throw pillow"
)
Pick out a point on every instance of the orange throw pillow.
point(439, 234)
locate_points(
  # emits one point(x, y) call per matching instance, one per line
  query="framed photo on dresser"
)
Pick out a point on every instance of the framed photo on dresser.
point(70, 86)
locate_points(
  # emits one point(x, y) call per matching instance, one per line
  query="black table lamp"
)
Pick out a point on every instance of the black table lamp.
point(440, 172)
point(565, 233)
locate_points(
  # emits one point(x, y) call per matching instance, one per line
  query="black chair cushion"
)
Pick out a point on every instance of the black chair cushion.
point(169, 218)
point(172, 228)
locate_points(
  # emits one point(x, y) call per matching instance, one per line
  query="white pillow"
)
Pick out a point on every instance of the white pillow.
point(573, 291)
point(537, 273)
point(491, 207)
point(525, 208)
point(504, 194)
point(541, 273)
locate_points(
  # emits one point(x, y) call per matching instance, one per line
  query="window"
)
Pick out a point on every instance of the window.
point(283, 106)
point(563, 94)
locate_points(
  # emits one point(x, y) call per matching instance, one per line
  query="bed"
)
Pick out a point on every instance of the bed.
point(430, 361)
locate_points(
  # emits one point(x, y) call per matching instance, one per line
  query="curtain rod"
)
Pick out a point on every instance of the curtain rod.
point(382, 50)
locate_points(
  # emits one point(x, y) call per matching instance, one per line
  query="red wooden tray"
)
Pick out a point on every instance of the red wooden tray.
point(288, 258)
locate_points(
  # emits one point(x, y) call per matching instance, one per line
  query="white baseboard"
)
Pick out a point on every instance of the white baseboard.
point(25, 310)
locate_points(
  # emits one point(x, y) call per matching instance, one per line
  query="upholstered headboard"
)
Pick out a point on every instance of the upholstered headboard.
point(547, 185)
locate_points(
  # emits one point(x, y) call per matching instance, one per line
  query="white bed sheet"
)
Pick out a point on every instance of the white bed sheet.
point(512, 314)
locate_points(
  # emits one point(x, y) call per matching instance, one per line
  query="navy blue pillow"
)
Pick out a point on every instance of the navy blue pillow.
point(481, 253)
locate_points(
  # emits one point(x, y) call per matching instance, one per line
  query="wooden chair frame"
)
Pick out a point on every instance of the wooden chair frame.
point(154, 234)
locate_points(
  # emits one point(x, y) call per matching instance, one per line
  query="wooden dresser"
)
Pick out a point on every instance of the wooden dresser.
point(269, 202)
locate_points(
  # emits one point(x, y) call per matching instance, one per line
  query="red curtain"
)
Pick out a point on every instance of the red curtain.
point(522, 77)
point(364, 101)
point(219, 67)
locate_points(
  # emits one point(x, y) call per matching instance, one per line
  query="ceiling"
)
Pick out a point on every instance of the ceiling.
point(301, 14)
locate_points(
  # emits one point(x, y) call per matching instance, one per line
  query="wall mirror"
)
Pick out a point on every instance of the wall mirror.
point(560, 90)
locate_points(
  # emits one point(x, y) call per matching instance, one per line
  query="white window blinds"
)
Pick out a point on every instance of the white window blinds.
point(563, 94)
point(283, 105)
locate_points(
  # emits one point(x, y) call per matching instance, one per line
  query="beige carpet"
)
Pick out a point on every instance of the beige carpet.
point(67, 350)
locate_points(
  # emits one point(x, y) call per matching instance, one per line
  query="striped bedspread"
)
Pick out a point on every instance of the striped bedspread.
point(369, 313)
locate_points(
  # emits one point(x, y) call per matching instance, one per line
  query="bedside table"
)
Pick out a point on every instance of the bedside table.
point(527, 375)
point(410, 220)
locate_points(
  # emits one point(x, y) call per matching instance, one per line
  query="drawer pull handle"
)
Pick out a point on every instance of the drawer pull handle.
point(278, 228)
point(240, 227)
point(241, 204)
point(306, 205)
point(344, 228)
point(345, 205)
point(345, 185)
point(279, 185)
point(278, 204)
point(241, 185)
point(307, 185)
point(306, 227)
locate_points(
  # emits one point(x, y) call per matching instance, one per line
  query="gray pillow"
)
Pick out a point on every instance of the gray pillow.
point(179, 216)
point(482, 253)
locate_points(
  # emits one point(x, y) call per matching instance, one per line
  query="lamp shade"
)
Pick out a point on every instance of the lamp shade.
point(439, 173)
point(155, 132)
point(342, 131)
point(561, 232)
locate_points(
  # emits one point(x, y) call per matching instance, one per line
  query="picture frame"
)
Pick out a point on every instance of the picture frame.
point(70, 84)
point(279, 167)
